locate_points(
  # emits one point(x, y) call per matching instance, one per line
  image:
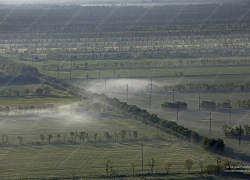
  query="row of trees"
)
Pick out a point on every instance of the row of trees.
point(143, 64)
point(174, 105)
point(212, 105)
point(155, 21)
point(106, 55)
point(202, 87)
point(74, 136)
point(236, 132)
point(216, 168)
point(45, 90)
point(41, 46)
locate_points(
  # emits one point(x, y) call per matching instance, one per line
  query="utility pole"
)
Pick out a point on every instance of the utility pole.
point(87, 77)
point(210, 124)
point(240, 136)
point(170, 133)
point(150, 96)
point(44, 66)
point(132, 80)
point(177, 113)
point(151, 85)
point(173, 93)
point(127, 93)
point(70, 75)
point(2, 44)
point(11, 52)
point(199, 100)
point(105, 86)
point(99, 73)
point(229, 114)
point(58, 69)
point(141, 156)
point(114, 71)
point(70, 70)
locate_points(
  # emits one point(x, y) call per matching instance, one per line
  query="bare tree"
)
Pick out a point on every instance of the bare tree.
point(133, 167)
point(135, 134)
point(82, 136)
point(107, 166)
point(167, 168)
point(2, 138)
point(50, 137)
point(58, 137)
point(151, 165)
point(95, 136)
point(20, 139)
point(72, 134)
point(123, 134)
point(42, 137)
point(201, 164)
point(64, 137)
point(76, 135)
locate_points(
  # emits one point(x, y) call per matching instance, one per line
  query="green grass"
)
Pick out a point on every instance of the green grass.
point(47, 161)
point(28, 101)
point(146, 73)
point(56, 97)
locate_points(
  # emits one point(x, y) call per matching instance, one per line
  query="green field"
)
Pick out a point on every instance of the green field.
point(56, 97)
point(147, 72)
point(88, 158)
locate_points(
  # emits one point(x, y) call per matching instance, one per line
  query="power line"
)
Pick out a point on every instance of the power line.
point(199, 100)
point(150, 96)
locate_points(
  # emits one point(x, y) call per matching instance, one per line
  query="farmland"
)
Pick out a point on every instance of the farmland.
point(88, 158)
point(82, 85)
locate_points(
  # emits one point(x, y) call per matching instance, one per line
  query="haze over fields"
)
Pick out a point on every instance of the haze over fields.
point(117, 1)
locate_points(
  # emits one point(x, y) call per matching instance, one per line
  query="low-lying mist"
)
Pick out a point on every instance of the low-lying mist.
point(120, 85)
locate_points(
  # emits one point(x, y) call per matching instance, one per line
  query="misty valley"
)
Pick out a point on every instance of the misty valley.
point(125, 90)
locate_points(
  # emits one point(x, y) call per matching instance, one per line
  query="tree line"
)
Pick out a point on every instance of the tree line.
point(212, 105)
point(174, 105)
point(41, 46)
point(153, 53)
point(141, 65)
point(40, 91)
point(76, 137)
point(155, 21)
point(245, 86)
point(237, 131)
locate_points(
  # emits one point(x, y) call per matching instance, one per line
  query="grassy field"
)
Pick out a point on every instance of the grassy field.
point(28, 101)
point(56, 97)
point(85, 159)
point(88, 158)
point(145, 73)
